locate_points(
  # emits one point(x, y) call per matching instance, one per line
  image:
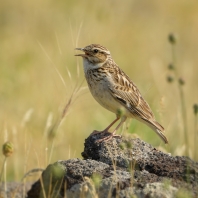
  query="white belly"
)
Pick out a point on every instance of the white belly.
point(99, 89)
point(102, 95)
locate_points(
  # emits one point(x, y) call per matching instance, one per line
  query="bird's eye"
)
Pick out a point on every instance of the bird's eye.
point(95, 51)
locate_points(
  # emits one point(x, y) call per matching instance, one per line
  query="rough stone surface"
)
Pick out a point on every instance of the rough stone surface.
point(14, 190)
point(118, 168)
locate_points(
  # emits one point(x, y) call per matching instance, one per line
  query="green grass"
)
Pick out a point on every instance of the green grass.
point(37, 47)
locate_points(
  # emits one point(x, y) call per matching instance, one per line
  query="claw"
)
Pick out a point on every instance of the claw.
point(109, 137)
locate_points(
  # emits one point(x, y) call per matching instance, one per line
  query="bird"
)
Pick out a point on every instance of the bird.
point(115, 91)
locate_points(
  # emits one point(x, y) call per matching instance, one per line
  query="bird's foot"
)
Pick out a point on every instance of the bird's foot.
point(108, 137)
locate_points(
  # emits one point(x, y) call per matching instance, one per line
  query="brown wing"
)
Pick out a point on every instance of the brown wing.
point(126, 93)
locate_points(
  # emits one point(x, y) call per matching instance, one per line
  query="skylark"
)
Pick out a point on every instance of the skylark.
point(115, 91)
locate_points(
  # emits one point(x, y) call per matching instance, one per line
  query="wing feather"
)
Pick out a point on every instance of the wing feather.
point(130, 96)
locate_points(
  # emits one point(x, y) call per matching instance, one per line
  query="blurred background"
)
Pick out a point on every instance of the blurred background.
point(39, 74)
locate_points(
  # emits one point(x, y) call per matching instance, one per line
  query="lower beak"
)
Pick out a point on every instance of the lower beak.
point(81, 49)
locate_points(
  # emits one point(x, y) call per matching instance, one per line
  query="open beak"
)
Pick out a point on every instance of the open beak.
point(81, 49)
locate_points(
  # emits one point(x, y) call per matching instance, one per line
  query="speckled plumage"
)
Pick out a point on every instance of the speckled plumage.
point(114, 90)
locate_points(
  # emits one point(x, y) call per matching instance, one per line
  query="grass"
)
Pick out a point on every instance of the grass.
point(39, 74)
point(180, 83)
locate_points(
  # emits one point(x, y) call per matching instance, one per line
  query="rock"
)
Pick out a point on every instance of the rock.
point(14, 189)
point(121, 167)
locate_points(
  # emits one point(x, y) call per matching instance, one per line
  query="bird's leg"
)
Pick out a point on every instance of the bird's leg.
point(107, 129)
point(119, 125)
point(107, 138)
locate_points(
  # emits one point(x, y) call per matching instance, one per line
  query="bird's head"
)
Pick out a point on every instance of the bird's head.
point(94, 53)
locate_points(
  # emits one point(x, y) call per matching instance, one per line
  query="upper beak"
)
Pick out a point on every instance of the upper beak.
point(81, 49)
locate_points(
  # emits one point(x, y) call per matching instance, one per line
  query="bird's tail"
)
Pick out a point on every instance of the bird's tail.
point(158, 128)
point(161, 135)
